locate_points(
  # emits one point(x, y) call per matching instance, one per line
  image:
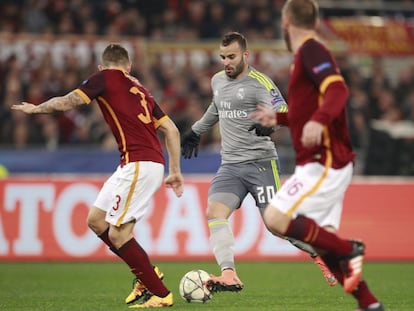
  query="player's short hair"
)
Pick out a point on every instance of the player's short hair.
point(233, 36)
point(115, 54)
point(302, 13)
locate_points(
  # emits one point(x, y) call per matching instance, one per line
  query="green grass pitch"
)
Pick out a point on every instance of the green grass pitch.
point(290, 286)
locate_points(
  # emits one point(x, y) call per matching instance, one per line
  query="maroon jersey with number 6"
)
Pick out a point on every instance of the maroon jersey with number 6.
point(317, 91)
point(130, 111)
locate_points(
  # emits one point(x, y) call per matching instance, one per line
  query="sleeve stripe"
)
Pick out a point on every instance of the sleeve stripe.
point(328, 80)
point(158, 122)
point(262, 79)
point(283, 108)
point(82, 94)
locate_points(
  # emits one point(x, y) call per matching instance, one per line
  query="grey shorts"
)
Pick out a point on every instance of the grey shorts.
point(233, 182)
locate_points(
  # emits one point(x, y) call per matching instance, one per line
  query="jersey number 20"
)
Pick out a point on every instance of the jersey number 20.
point(265, 194)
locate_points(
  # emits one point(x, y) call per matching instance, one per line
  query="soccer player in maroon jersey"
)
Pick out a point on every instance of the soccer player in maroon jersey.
point(308, 206)
point(134, 118)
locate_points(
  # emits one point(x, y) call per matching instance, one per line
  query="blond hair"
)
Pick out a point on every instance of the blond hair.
point(302, 13)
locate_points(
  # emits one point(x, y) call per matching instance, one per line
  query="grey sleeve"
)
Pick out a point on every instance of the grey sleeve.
point(272, 98)
point(207, 121)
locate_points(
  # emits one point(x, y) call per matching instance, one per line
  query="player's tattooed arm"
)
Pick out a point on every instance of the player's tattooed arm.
point(59, 103)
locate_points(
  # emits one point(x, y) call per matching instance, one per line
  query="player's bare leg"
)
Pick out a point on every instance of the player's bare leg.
point(96, 220)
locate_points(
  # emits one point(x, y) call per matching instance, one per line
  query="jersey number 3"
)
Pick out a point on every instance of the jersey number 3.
point(144, 118)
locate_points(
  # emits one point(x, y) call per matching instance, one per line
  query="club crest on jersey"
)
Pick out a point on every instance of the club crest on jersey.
point(321, 67)
point(240, 93)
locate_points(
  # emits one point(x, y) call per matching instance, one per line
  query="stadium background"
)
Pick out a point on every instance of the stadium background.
point(56, 162)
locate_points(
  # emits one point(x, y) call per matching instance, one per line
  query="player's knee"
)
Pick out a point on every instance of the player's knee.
point(275, 221)
point(210, 214)
point(96, 226)
point(96, 221)
point(91, 222)
point(272, 228)
point(217, 210)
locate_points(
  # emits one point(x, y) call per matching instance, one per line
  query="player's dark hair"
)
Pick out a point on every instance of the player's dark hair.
point(302, 13)
point(115, 54)
point(233, 36)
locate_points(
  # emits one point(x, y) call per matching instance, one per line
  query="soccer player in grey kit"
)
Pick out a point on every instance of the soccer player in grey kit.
point(249, 161)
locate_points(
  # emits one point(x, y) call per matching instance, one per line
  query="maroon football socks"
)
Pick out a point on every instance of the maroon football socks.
point(137, 259)
point(306, 230)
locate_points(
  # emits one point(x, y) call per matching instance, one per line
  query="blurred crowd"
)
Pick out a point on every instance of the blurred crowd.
point(155, 19)
point(377, 105)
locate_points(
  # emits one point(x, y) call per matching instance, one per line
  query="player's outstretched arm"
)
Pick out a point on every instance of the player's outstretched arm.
point(175, 179)
point(59, 103)
point(265, 116)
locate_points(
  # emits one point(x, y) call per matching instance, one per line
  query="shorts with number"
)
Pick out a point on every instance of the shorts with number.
point(127, 193)
point(316, 192)
point(234, 181)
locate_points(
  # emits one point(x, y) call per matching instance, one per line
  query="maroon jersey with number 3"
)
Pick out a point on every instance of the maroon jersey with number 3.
point(130, 111)
point(314, 71)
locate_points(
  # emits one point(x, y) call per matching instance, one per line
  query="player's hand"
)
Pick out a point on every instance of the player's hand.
point(25, 107)
point(261, 130)
point(189, 145)
point(175, 181)
point(265, 116)
point(312, 134)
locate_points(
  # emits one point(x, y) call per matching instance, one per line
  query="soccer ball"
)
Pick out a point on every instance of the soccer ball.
point(193, 287)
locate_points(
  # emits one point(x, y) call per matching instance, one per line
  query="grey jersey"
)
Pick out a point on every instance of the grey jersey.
point(233, 101)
